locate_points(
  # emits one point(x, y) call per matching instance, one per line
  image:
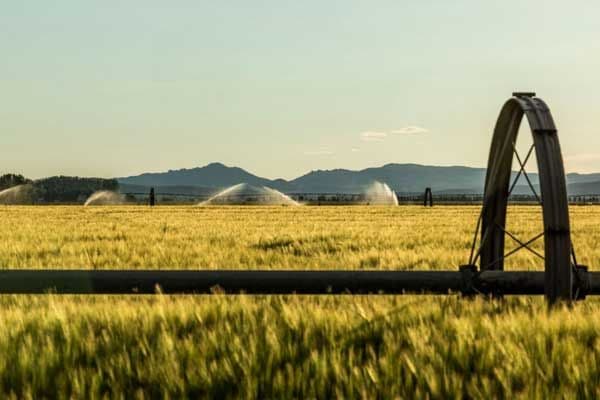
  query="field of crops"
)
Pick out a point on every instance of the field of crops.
point(285, 346)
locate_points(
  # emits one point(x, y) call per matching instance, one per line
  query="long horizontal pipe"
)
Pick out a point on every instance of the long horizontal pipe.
point(269, 282)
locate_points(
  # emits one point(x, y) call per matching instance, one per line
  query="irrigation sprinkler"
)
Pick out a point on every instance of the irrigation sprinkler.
point(562, 280)
point(428, 198)
point(152, 198)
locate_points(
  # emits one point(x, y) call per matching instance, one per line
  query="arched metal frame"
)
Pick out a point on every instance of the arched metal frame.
point(553, 188)
point(428, 198)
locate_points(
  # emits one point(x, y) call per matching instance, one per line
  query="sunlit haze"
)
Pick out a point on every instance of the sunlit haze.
point(281, 88)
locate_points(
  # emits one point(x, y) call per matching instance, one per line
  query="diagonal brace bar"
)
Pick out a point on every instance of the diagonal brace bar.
point(516, 239)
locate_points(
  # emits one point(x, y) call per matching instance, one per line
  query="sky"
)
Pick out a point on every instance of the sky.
point(117, 88)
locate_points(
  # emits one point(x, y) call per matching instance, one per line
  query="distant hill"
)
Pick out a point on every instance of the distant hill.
point(215, 175)
point(582, 188)
point(181, 190)
point(403, 178)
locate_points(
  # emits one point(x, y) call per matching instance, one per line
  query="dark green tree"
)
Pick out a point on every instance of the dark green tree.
point(10, 180)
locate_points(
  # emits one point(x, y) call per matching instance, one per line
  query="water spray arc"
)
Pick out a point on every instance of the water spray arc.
point(245, 194)
point(379, 193)
point(105, 198)
point(21, 194)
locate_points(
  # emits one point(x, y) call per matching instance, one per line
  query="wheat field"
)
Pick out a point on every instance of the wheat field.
point(285, 346)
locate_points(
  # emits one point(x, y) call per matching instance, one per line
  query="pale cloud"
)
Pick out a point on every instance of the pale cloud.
point(373, 136)
point(354, 150)
point(378, 136)
point(410, 130)
point(318, 153)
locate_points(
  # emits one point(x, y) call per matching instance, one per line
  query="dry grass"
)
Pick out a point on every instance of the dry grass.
point(263, 237)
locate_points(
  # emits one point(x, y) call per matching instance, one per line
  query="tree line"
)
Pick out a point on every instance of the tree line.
point(10, 180)
point(60, 189)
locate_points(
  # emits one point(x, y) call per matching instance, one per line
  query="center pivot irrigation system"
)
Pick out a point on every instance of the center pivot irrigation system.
point(562, 280)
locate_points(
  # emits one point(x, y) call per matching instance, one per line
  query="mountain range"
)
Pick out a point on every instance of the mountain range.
point(403, 178)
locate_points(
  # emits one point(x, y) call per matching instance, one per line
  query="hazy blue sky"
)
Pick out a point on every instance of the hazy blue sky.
point(112, 88)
